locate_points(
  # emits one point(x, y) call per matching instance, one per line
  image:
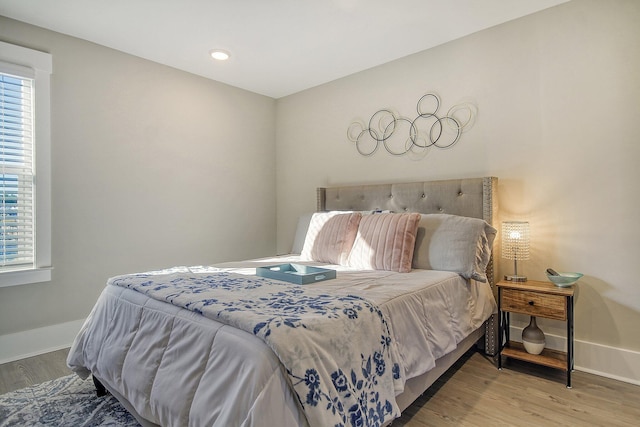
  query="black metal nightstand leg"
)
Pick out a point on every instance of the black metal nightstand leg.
point(500, 329)
point(569, 339)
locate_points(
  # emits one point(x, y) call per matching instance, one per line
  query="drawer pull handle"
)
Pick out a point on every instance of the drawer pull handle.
point(530, 302)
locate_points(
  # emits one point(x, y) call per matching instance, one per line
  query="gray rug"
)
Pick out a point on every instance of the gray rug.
point(67, 401)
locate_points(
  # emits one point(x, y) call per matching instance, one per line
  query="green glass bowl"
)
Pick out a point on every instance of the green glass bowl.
point(564, 279)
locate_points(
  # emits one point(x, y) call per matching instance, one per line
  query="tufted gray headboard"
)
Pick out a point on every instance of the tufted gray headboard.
point(473, 197)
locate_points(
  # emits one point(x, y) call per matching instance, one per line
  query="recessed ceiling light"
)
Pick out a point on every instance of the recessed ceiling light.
point(219, 54)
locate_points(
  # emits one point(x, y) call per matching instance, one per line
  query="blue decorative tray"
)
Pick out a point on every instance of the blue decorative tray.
point(296, 273)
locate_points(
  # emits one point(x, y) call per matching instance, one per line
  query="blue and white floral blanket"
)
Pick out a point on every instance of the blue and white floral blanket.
point(337, 349)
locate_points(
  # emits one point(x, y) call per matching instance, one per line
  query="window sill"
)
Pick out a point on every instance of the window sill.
point(23, 277)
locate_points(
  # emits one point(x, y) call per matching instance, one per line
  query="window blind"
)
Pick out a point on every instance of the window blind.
point(16, 172)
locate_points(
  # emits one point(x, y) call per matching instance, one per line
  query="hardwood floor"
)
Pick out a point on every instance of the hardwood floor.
point(33, 370)
point(475, 393)
point(472, 393)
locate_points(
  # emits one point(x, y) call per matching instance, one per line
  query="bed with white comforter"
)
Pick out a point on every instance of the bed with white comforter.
point(176, 367)
point(217, 345)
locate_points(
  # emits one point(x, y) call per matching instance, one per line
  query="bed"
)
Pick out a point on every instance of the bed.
point(175, 351)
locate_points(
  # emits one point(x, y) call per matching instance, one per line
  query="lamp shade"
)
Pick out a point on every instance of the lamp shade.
point(515, 240)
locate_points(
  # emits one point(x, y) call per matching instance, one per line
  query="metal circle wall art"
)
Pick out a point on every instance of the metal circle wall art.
point(401, 135)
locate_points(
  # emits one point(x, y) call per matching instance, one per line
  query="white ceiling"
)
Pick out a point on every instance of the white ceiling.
point(278, 47)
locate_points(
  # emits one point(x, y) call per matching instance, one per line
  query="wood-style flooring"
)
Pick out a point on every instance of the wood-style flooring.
point(471, 393)
point(474, 393)
point(33, 370)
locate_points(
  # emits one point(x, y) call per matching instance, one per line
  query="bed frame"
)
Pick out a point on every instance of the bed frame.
point(474, 197)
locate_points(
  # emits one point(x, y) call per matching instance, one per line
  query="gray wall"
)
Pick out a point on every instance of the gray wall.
point(557, 95)
point(151, 167)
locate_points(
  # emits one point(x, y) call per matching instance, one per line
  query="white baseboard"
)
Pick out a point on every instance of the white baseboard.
point(607, 361)
point(610, 362)
point(38, 341)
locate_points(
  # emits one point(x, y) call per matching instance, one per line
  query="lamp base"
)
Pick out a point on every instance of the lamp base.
point(514, 278)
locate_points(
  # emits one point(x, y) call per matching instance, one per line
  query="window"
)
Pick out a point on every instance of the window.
point(16, 172)
point(25, 201)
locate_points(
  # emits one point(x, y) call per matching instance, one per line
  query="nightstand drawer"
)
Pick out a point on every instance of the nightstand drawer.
point(534, 304)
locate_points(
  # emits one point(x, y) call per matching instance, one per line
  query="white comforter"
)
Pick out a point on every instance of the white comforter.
point(176, 367)
point(349, 377)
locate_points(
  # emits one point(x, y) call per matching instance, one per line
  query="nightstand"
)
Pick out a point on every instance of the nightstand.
point(540, 299)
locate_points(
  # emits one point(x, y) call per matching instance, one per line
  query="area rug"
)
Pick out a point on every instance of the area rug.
point(66, 401)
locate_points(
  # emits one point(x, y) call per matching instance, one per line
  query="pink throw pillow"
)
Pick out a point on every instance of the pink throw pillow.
point(330, 237)
point(385, 242)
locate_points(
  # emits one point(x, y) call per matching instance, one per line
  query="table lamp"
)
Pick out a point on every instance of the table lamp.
point(515, 246)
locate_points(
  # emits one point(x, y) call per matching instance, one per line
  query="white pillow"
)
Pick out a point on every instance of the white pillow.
point(301, 233)
point(454, 243)
point(330, 237)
